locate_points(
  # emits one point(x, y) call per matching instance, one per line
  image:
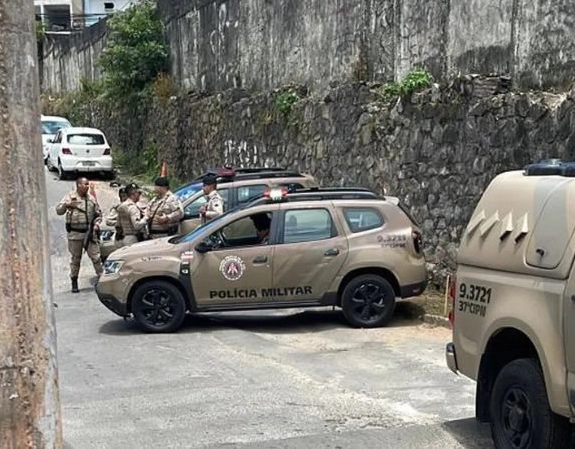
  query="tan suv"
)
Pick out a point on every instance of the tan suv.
point(341, 247)
point(513, 312)
point(237, 186)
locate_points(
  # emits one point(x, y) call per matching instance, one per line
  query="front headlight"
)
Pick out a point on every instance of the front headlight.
point(112, 266)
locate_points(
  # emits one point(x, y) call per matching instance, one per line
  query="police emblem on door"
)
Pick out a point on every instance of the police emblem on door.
point(232, 267)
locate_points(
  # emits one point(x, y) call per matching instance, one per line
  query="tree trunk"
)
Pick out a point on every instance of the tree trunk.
point(29, 393)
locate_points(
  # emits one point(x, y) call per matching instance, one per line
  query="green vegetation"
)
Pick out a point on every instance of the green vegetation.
point(285, 100)
point(414, 81)
point(136, 52)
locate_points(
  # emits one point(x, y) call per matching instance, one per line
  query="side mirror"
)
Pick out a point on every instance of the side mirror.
point(203, 247)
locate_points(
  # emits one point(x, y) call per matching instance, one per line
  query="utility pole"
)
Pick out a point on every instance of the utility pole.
point(29, 391)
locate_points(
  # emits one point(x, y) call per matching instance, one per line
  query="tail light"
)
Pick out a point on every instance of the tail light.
point(452, 281)
point(66, 151)
point(107, 152)
point(417, 241)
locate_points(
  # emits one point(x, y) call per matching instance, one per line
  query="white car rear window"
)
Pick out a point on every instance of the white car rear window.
point(86, 139)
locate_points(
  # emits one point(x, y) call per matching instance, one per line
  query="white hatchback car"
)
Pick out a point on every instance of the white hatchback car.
point(51, 124)
point(75, 150)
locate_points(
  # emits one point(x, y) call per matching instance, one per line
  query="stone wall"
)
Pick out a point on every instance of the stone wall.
point(436, 151)
point(262, 44)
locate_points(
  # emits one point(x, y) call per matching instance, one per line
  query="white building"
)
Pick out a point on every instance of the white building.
point(64, 15)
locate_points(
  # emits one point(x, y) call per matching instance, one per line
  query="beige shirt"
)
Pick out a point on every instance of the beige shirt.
point(214, 206)
point(131, 218)
point(169, 206)
point(80, 216)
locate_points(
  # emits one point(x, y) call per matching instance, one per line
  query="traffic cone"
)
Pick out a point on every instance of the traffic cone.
point(164, 172)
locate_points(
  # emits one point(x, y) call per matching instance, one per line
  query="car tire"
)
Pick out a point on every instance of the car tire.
point(62, 175)
point(368, 294)
point(157, 299)
point(520, 413)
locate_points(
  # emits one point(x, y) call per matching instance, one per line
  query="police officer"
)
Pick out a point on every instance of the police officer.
point(112, 217)
point(83, 217)
point(164, 212)
point(215, 203)
point(131, 218)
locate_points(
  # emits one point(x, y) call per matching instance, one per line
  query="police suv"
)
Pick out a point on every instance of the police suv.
point(345, 247)
point(513, 312)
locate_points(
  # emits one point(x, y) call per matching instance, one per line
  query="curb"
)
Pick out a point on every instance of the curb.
point(436, 320)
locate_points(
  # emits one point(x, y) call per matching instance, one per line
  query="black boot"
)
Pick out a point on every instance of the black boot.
point(75, 285)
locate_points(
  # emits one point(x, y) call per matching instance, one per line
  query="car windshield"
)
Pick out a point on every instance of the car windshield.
point(184, 192)
point(52, 127)
point(186, 238)
point(86, 139)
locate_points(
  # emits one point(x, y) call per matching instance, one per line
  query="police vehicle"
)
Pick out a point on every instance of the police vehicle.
point(344, 247)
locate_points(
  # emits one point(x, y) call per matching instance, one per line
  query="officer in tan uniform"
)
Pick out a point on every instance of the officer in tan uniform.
point(131, 218)
point(83, 217)
point(112, 217)
point(164, 212)
point(215, 203)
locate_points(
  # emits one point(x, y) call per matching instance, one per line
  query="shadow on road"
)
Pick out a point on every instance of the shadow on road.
point(470, 433)
point(273, 322)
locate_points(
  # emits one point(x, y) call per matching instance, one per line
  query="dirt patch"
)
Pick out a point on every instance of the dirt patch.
point(431, 302)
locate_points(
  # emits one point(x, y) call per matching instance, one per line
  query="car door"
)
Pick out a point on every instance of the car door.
point(54, 148)
point(311, 250)
point(192, 206)
point(238, 273)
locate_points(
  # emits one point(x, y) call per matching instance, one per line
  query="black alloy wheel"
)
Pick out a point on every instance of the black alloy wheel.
point(158, 306)
point(368, 301)
point(521, 417)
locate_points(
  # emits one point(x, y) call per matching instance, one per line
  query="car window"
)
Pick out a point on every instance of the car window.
point(362, 218)
point(86, 139)
point(52, 127)
point(246, 231)
point(192, 209)
point(184, 192)
point(248, 193)
point(306, 225)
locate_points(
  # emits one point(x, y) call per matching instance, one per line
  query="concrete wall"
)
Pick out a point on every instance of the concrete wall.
point(261, 44)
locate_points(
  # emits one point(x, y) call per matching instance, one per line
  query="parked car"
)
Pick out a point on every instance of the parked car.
point(237, 186)
point(343, 247)
point(51, 124)
point(75, 150)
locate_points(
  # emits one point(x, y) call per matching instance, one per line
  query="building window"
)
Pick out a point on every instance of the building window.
point(108, 6)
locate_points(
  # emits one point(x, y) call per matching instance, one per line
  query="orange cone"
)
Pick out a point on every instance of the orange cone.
point(164, 172)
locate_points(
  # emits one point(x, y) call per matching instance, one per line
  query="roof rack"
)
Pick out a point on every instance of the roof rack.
point(281, 194)
point(228, 174)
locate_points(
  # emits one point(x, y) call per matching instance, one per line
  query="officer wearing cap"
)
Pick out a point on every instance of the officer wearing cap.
point(215, 203)
point(165, 211)
point(131, 217)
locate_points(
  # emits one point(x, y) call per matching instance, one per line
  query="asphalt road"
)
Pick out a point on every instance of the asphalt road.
point(290, 379)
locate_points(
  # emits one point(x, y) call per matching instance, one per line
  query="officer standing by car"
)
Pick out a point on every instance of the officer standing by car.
point(112, 217)
point(215, 203)
point(165, 211)
point(83, 217)
point(131, 218)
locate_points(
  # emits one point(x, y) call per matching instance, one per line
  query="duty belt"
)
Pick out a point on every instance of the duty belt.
point(85, 229)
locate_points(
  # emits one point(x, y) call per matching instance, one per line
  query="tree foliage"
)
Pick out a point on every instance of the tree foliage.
point(136, 50)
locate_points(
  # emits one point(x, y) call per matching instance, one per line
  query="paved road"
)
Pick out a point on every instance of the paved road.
point(293, 379)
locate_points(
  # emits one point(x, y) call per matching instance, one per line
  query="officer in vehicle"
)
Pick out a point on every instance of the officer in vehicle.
point(131, 217)
point(83, 217)
point(164, 212)
point(215, 203)
point(262, 223)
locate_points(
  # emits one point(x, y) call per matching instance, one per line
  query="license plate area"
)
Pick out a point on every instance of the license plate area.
point(88, 163)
